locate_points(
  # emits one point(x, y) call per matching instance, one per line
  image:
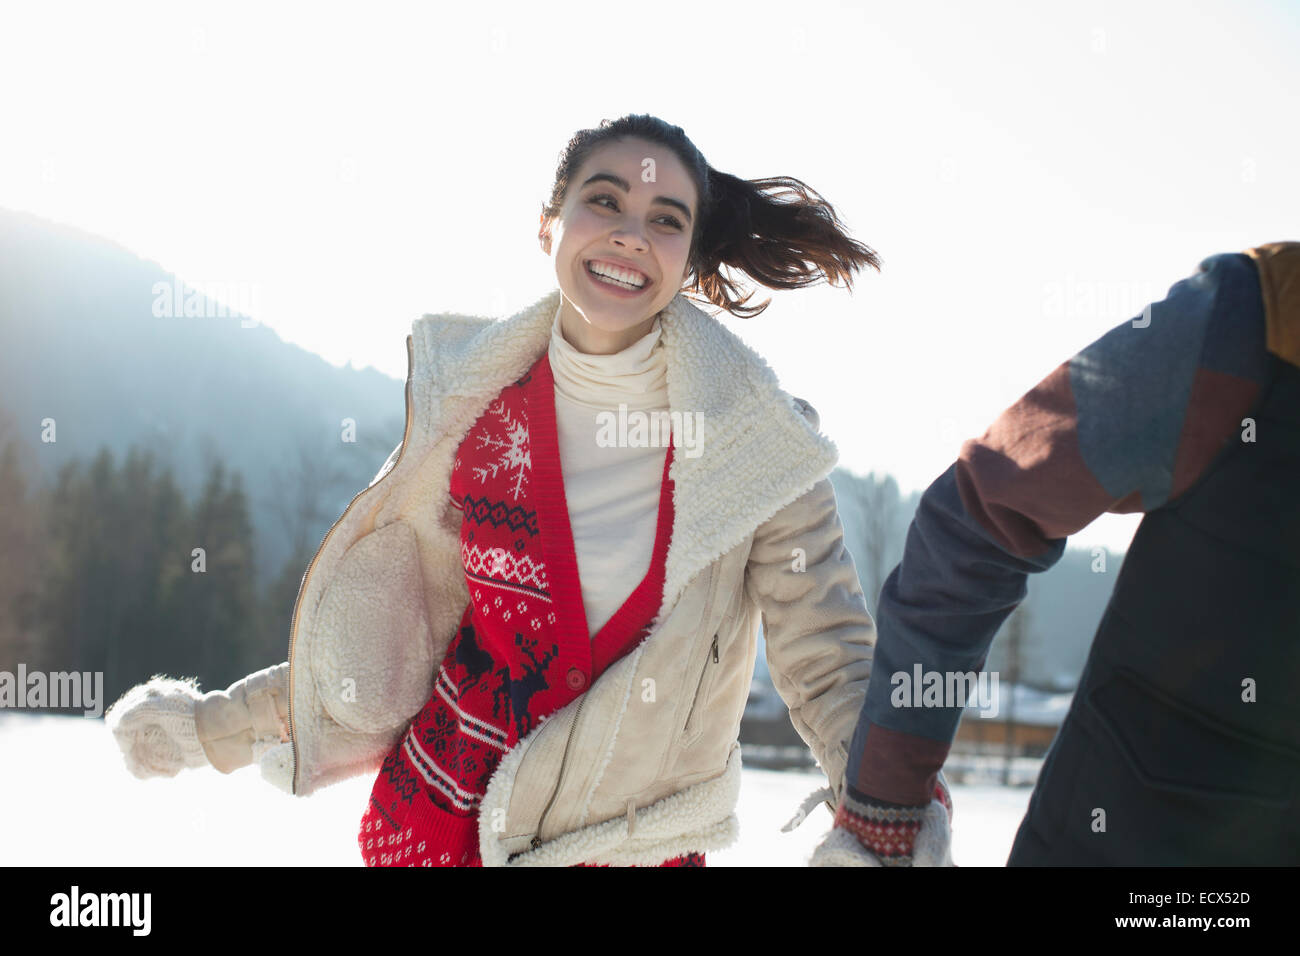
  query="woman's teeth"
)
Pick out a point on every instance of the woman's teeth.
point(615, 276)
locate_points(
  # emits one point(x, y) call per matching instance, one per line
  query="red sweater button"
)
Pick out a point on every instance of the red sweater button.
point(576, 679)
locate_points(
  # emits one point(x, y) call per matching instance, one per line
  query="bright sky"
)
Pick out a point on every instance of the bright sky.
point(1030, 176)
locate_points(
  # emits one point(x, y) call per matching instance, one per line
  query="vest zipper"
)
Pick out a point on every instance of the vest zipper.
point(700, 683)
point(302, 587)
point(537, 838)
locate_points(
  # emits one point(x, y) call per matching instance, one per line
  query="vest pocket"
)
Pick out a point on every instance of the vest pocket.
point(694, 719)
point(372, 655)
point(1171, 746)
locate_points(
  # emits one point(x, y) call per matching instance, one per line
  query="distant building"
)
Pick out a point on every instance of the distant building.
point(1035, 716)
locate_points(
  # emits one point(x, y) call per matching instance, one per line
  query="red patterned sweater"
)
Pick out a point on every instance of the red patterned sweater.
point(523, 649)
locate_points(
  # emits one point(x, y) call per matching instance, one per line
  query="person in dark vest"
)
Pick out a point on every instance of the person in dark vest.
point(1182, 742)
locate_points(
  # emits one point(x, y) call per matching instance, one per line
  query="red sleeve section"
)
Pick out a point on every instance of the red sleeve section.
point(1214, 412)
point(1025, 480)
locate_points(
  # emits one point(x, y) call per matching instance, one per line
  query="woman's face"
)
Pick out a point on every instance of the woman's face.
point(632, 206)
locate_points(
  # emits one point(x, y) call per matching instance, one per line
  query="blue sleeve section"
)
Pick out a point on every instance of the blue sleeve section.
point(1132, 386)
point(942, 606)
point(1236, 339)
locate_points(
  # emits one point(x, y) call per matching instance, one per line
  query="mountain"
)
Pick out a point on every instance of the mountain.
point(87, 341)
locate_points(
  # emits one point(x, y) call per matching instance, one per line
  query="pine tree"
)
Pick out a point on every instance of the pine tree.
point(211, 601)
point(124, 592)
point(22, 555)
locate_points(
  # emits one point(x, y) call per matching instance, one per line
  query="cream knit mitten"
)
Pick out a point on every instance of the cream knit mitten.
point(153, 724)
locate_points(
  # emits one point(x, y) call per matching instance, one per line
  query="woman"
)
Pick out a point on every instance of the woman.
point(548, 665)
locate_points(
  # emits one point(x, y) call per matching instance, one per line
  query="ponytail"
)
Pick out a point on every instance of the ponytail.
point(779, 232)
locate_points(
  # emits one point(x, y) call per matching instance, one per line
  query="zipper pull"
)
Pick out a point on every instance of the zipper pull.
point(536, 842)
point(715, 648)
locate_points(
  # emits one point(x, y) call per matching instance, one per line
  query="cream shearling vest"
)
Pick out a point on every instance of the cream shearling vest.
point(381, 600)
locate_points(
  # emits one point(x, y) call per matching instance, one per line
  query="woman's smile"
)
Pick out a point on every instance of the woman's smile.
point(616, 280)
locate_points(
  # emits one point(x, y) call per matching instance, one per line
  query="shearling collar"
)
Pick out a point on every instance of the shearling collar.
point(758, 452)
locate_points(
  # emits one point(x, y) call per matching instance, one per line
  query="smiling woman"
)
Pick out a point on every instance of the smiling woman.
point(540, 630)
point(636, 216)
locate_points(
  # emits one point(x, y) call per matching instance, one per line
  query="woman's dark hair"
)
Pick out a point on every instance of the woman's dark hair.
point(777, 231)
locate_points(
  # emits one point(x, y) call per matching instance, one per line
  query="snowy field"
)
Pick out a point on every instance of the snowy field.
point(68, 800)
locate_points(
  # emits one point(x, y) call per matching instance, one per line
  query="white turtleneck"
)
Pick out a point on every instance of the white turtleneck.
point(612, 492)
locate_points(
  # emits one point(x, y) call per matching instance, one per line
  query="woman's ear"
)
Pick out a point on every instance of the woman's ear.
point(544, 234)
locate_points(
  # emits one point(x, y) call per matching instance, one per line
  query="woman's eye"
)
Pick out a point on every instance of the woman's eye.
point(670, 220)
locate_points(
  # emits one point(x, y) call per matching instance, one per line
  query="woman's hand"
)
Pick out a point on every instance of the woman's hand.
point(154, 726)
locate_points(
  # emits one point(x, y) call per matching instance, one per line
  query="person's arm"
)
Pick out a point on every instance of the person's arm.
point(1126, 425)
point(816, 626)
point(234, 724)
point(166, 725)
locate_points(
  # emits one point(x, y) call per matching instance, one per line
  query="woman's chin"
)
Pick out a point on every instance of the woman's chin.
point(612, 318)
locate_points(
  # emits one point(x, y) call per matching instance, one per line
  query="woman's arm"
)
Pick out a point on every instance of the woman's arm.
point(252, 711)
point(166, 725)
point(816, 626)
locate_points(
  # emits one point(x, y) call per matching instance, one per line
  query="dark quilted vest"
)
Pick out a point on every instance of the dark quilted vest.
point(1159, 737)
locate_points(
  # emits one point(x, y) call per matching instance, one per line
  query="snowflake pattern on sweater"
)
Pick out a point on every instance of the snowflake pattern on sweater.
point(509, 443)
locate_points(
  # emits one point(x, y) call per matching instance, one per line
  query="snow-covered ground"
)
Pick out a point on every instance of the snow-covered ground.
point(68, 800)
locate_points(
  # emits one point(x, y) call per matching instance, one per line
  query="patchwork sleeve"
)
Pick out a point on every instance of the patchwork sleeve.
point(1126, 425)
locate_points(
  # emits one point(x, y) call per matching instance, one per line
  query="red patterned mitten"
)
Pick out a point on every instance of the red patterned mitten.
point(899, 835)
